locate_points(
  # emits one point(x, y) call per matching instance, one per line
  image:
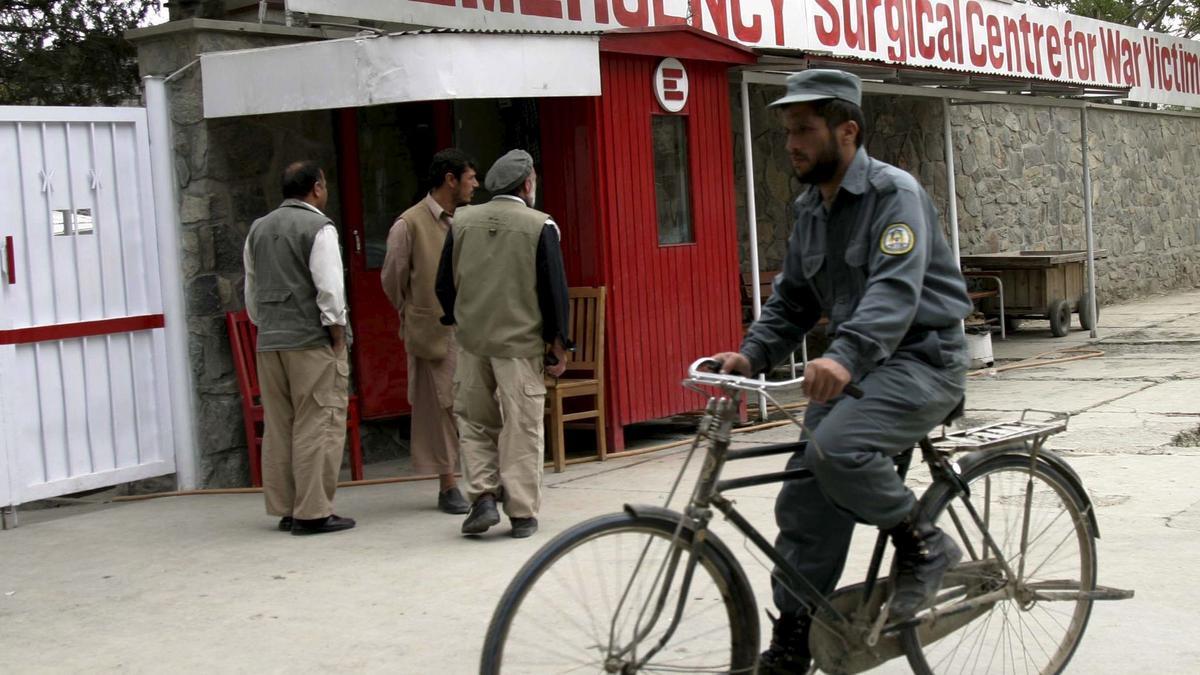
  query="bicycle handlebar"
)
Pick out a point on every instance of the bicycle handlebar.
point(714, 378)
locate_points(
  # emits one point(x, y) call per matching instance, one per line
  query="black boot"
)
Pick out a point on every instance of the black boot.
point(788, 652)
point(923, 554)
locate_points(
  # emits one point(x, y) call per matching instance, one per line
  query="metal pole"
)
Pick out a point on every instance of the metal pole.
point(166, 215)
point(952, 189)
point(952, 198)
point(1087, 220)
point(752, 218)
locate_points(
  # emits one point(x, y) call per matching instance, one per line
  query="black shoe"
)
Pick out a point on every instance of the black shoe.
point(923, 554)
point(321, 525)
point(788, 652)
point(523, 527)
point(285, 524)
point(452, 501)
point(483, 515)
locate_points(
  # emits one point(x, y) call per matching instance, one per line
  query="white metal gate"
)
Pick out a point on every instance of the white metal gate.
point(84, 382)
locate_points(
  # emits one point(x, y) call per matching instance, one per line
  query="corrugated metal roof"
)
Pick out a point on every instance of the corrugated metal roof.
point(880, 70)
point(494, 31)
point(874, 69)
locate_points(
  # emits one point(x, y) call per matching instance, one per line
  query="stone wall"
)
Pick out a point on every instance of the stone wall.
point(228, 175)
point(1019, 182)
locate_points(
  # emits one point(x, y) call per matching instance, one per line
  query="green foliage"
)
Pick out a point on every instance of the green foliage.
point(56, 52)
point(1178, 17)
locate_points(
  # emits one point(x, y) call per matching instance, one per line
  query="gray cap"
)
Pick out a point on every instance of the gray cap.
point(508, 172)
point(819, 84)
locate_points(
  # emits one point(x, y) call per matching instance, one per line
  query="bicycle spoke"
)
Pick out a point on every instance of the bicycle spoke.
point(991, 615)
point(1057, 551)
point(1038, 640)
point(974, 630)
point(599, 601)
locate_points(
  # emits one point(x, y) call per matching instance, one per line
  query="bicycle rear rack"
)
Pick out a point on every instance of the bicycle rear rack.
point(1004, 434)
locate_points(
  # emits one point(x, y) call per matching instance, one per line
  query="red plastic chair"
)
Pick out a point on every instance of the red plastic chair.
point(243, 338)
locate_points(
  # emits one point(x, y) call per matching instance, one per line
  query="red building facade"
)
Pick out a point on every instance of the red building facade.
point(604, 175)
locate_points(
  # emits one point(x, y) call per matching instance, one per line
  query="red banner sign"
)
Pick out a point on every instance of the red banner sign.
point(978, 36)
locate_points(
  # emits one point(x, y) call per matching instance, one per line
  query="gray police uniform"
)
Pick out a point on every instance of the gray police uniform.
point(876, 263)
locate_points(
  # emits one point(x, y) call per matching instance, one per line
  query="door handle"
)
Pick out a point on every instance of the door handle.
point(357, 242)
point(10, 261)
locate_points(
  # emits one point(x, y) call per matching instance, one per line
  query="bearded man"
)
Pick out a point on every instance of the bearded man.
point(866, 251)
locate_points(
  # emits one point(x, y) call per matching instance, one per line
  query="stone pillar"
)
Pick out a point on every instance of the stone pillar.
point(228, 175)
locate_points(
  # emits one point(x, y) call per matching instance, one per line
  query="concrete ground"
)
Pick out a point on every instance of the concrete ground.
point(206, 584)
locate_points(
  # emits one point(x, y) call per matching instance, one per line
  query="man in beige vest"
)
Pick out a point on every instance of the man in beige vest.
point(414, 247)
point(295, 294)
point(501, 281)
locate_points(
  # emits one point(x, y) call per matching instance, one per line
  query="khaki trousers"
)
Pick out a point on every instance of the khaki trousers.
point(434, 445)
point(499, 403)
point(304, 396)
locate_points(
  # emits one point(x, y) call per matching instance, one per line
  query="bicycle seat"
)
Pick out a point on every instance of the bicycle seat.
point(958, 412)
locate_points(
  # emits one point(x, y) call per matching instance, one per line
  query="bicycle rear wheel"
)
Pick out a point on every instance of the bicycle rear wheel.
point(586, 602)
point(1021, 633)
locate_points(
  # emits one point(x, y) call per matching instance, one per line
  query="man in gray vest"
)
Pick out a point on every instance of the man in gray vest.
point(295, 294)
point(501, 281)
point(867, 251)
point(414, 248)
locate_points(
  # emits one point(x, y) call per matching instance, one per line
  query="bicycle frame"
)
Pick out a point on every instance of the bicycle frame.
point(716, 427)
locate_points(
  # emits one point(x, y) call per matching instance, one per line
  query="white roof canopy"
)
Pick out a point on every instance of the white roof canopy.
point(397, 68)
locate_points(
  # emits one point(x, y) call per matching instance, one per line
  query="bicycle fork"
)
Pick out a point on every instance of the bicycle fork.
point(718, 411)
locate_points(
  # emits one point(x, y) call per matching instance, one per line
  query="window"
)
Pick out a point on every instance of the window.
point(66, 222)
point(672, 180)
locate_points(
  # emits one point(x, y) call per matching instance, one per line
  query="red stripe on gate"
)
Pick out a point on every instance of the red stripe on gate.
point(67, 331)
point(673, 73)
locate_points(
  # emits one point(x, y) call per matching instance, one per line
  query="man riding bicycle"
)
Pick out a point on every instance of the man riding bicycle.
point(866, 250)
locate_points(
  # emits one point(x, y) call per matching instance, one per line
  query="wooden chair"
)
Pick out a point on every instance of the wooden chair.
point(587, 330)
point(766, 287)
point(243, 340)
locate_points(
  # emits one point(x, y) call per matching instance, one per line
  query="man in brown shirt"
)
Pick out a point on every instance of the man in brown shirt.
point(414, 246)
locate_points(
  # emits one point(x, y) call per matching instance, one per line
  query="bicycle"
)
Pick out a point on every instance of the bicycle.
point(675, 599)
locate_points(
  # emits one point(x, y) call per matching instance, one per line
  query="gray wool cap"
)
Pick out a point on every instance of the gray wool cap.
point(508, 172)
point(818, 84)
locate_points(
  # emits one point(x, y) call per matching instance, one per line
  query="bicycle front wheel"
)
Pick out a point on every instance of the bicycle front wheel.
point(1037, 626)
point(605, 596)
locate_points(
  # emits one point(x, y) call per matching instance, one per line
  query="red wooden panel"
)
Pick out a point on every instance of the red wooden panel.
point(567, 184)
point(669, 304)
point(666, 305)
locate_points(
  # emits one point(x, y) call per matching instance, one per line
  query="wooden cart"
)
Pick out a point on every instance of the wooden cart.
point(1038, 285)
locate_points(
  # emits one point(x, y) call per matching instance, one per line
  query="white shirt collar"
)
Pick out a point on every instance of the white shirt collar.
point(312, 207)
point(304, 203)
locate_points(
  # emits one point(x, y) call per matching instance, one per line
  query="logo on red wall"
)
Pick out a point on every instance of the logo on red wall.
point(671, 85)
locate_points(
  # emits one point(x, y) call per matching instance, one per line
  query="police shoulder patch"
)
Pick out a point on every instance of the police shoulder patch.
point(897, 239)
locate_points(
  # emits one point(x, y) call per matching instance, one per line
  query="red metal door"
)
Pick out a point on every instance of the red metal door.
point(382, 156)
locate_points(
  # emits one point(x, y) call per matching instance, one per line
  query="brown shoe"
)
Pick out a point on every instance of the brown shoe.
point(332, 523)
